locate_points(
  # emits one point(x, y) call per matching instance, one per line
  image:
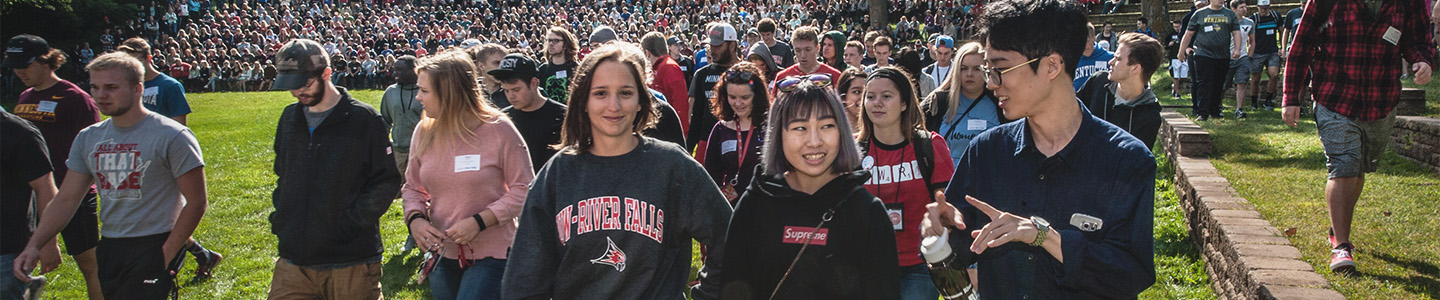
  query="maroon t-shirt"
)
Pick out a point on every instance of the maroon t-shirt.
point(60, 112)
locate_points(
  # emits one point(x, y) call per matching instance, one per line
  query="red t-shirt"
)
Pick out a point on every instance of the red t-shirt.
point(180, 71)
point(895, 178)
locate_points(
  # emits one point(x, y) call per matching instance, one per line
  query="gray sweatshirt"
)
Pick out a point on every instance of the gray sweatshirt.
point(617, 227)
point(402, 111)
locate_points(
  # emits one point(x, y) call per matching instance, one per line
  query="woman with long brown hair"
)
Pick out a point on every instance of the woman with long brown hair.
point(613, 214)
point(740, 103)
point(468, 175)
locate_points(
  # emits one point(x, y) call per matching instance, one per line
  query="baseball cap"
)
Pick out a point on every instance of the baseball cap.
point(945, 40)
point(298, 61)
point(602, 34)
point(22, 50)
point(1263, 3)
point(469, 43)
point(516, 66)
point(721, 33)
point(673, 40)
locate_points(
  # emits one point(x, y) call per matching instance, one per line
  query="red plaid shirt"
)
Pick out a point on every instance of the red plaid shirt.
point(1349, 67)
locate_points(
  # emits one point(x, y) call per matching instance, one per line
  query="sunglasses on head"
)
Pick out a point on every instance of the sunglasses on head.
point(734, 75)
point(790, 83)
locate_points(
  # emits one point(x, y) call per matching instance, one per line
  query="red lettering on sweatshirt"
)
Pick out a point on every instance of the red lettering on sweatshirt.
point(610, 213)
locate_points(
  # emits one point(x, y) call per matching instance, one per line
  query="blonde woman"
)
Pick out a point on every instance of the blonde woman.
point(962, 107)
point(467, 180)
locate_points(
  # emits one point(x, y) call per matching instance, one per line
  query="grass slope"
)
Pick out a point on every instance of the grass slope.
point(1281, 170)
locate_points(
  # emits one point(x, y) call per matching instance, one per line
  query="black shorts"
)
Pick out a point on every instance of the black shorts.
point(83, 232)
point(135, 268)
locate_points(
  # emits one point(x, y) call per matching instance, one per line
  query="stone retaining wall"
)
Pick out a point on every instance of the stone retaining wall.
point(1418, 139)
point(1246, 257)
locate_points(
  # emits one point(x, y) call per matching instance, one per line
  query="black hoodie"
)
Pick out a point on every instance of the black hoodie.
point(854, 257)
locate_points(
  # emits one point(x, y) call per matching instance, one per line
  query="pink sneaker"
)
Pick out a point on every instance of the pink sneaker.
point(1340, 259)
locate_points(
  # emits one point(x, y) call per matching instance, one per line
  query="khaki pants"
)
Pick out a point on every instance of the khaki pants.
point(355, 282)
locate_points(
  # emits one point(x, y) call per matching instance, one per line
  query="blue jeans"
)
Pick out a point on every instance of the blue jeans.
point(480, 281)
point(10, 287)
point(915, 283)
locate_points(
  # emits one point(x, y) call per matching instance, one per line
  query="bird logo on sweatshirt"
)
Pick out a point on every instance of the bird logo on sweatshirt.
point(613, 257)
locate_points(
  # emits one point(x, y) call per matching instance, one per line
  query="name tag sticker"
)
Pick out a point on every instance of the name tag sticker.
point(1103, 65)
point(727, 146)
point(896, 213)
point(975, 124)
point(466, 163)
point(1209, 28)
point(1270, 32)
point(560, 74)
point(47, 106)
point(1392, 35)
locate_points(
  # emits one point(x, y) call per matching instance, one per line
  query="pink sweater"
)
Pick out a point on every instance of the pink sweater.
point(453, 183)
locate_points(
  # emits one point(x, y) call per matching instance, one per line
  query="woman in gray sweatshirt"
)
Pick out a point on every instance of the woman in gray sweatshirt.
point(613, 214)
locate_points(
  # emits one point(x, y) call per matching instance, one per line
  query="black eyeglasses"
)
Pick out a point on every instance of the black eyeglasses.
point(995, 76)
point(789, 84)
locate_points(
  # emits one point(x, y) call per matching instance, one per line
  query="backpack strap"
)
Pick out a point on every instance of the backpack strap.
point(925, 155)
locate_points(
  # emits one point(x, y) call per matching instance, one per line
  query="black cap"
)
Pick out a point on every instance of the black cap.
point(23, 49)
point(516, 66)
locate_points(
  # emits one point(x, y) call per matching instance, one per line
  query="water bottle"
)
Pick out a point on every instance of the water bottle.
point(946, 271)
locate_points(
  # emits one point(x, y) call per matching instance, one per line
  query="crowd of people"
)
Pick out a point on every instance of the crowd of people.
point(814, 158)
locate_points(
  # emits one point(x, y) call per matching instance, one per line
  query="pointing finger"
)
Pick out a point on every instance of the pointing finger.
point(984, 207)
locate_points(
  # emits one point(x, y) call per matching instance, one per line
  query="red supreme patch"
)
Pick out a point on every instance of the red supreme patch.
point(798, 235)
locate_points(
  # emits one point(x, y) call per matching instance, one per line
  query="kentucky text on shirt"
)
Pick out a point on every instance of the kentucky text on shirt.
point(603, 213)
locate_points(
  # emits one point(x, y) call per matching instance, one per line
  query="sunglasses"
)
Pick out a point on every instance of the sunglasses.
point(790, 83)
point(733, 75)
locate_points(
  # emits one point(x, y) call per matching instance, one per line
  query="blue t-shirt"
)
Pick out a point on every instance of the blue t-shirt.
point(963, 128)
point(164, 95)
point(1089, 65)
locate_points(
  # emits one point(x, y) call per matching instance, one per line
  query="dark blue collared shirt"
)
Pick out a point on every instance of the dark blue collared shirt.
point(1103, 172)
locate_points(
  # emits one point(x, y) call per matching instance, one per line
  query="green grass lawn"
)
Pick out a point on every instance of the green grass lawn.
point(236, 133)
point(1281, 170)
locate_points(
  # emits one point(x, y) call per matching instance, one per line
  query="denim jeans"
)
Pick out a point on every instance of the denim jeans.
point(11, 288)
point(915, 283)
point(479, 281)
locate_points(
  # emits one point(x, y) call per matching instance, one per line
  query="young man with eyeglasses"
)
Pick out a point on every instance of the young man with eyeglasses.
point(560, 61)
point(1058, 204)
point(336, 176)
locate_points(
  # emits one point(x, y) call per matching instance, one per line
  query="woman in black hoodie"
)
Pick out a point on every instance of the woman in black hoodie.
point(805, 228)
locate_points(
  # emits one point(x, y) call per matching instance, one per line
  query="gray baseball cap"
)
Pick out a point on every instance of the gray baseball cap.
point(602, 34)
point(298, 61)
point(722, 32)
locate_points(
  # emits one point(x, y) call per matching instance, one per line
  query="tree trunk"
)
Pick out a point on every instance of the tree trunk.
point(879, 10)
point(1159, 13)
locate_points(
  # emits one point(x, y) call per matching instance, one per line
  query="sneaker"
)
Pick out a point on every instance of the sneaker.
point(35, 288)
point(409, 245)
point(1239, 114)
point(1204, 118)
point(1340, 259)
point(204, 268)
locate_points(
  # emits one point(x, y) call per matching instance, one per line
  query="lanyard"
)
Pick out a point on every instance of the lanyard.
point(961, 117)
point(744, 148)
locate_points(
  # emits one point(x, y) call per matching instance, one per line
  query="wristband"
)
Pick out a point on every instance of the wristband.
point(415, 216)
point(481, 221)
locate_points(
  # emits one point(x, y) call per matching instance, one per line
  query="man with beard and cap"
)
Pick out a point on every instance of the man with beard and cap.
point(336, 175)
point(724, 51)
point(400, 109)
